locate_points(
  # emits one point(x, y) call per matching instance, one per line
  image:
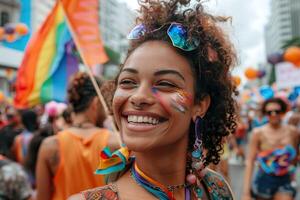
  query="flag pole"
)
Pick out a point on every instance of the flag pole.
point(90, 73)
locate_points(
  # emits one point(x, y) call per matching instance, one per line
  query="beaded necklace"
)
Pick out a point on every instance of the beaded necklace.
point(156, 188)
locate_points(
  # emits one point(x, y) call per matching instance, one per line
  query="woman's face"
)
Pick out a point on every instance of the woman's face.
point(153, 102)
point(274, 113)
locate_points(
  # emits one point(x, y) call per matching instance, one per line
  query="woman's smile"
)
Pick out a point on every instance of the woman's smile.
point(137, 121)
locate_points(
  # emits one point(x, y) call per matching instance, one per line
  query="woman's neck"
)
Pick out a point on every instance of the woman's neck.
point(81, 118)
point(166, 165)
point(275, 126)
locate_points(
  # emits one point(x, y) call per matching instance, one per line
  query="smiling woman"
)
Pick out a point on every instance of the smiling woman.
point(173, 105)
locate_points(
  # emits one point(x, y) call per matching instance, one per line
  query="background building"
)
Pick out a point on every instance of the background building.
point(116, 20)
point(283, 25)
point(9, 57)
point(40, 10)
point(9, 11)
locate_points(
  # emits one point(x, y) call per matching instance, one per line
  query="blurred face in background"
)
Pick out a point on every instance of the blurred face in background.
point(274, 113)
point(13, 117)
point(39, 109)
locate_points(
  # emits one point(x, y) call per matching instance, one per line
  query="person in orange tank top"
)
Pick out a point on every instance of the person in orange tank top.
point(67, 161)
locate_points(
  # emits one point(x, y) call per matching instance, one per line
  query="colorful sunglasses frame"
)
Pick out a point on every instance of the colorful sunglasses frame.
point(176, 32)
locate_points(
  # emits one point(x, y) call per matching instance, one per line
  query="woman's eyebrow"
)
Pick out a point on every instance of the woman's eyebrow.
point(168, 71)
point(130, 70)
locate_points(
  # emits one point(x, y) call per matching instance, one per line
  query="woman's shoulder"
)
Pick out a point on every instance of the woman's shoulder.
point(217, 186)
point(50, 143)
point(107, 192)
point(259, 130)
point(49, 150)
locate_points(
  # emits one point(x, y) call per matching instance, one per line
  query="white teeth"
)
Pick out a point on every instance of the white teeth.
point(145, 119)
point(134, 118)
point(142, 119)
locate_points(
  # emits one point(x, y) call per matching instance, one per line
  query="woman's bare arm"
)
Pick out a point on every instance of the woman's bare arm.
point(48, 160)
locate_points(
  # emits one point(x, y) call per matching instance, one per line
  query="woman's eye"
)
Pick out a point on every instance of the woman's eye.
point(127, 83)
point(166, 84)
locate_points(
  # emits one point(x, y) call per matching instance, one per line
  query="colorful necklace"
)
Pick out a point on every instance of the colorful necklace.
point(154, 187)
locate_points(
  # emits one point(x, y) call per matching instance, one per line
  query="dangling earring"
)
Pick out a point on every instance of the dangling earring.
point(197, 154)
point(197, 159)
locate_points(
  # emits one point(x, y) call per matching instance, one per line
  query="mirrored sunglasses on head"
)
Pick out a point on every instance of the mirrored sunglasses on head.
point(176, 32)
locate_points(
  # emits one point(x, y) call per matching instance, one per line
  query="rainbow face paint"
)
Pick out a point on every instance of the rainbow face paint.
point(179, 101)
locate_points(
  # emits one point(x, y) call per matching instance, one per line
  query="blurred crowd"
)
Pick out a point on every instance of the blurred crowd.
point(41, 148)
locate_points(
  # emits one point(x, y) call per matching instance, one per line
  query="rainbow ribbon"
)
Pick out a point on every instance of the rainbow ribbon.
point(151, 185)
point(112, 162)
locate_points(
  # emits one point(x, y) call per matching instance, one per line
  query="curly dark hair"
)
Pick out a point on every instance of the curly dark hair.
point(283, 105)
point(29, 119)
point(210, 62)
point(81, 91)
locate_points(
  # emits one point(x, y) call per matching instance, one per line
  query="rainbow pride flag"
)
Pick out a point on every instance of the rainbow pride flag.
point(48, 63)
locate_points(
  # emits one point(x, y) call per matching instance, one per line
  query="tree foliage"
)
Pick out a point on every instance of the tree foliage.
point(295, 41)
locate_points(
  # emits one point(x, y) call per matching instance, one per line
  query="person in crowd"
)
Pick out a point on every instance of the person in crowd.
point(14, 184)
point(2, 122)
point(173, 105)
point(42, 115)
point(274, 147)
point(33, 149)
point(67, 161)
point(240, 139)
point(30, 123)
point(293, 116)
point(8, 133)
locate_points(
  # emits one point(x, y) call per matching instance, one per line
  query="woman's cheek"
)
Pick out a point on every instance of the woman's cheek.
point(119, 99)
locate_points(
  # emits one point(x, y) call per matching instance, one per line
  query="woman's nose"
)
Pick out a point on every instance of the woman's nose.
point(142, 97)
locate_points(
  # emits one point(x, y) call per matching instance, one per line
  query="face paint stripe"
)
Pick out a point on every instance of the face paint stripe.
point(161, 101)
point(180, 102)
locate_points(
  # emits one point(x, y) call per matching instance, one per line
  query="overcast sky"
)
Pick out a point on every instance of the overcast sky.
point(247, 29)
